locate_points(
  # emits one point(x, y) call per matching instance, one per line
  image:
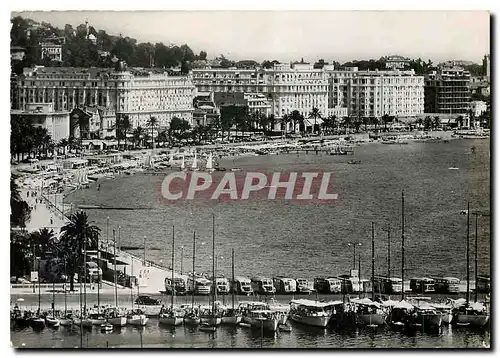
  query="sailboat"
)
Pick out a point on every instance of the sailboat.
point(212, 319)
point(67, 319)
point(192, 318)
point(115, 316)
point(183, 164)
point(51, 320)
point(194, 165)
point(37, 322)
point(171, 317)
point(471, 314)
point(232, 316)
point(210, 164)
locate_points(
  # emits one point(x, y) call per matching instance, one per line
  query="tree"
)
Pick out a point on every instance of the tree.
point(366, 121)
point(202, 56)
point(436, 122)
point(152, 123)
point(138, 135)
point(285, 119)
point(296, 118)
point(346, 122)
point(20, 210)
point(315, 113)
point(427, 123)
point(77, 236)
point(460, 121)
point(42, 241)
point(386, 119)
point(178, 127)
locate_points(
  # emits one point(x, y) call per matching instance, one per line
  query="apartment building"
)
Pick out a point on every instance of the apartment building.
point(447, 90)
point(375, 93)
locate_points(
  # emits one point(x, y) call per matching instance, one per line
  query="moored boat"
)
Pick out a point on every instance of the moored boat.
point(474, 315)
point(207, 327)
point(445, 311)
point(137, 318)
point(368, 312)
point(428, 317)
point(170, 319)
point(37, 322)
point(311, 313)
point(52, 321)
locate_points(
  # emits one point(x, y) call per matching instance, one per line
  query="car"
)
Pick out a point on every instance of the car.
point(147, 301)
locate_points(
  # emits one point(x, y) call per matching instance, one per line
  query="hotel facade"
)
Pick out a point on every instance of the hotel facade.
point(334, 92)
point(138, 94)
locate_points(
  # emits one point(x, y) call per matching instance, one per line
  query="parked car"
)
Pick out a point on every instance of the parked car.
point(147, 301)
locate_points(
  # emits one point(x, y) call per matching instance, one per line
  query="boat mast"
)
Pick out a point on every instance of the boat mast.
point(65, 293)
point(84, 274)
point(388, 251)
point(359, 275)
point(194, 250)
point(53, 298)
point(39, 292)
point(373, 260)
point(213, 265)
point(468, 269)
point(98, 277)
point(114, 263)
point(402, 245)
point(475, 264)
point(232, 281)
point(172, 285)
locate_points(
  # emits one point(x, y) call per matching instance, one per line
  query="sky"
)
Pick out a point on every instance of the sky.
point(292, 35)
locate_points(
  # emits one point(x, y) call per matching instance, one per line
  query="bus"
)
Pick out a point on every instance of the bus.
point(263, 285)
point(387, 285)
point(285, 285)
point(422, 285)
point(200, 285)
point(446, 285)
point(242, 286)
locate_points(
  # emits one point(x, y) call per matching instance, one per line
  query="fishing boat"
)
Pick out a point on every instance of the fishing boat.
point(207, 327)
point(210, 165)
point(428, 317)
point(52, 321)
point(445, 311)
point(66, 320)
point(284, 328)
point(474, 315)
point(232, 315)
point(265, 320)
point(281, 310)
point(137, 318)
point(37, 322)
point(311, 313)
point(192, 319)
point(115, 317)
point(97, 319)
point(368, 312)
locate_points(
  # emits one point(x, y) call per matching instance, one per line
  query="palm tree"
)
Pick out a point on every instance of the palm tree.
point(427, 123)
point(77, 235)
point(152, 123)
point(437, 122)
point(20, 210)
point(296, 117)
point(137, 136)
point(42, 240)
point(375, 122)
point(272, 121)
point(386, 119)
point(366, 121)
point(315, 113)
point(346, 122)
point(284, 122)
point(63, 143)
point(420, 122)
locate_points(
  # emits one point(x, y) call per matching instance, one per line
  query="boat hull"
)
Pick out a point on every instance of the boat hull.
point(270, 324)
point(98, 321)
point(191, 321)
point(231, 320)
point(138, 321)
point(118, 321)
point(171, 321)
point(87, 323)
point(37, 323)
point(472, 320)
point(52, 322)
point(370, 319)
point(211, 321)
point(446, 318)
point(319, 321)
point(430, 320)
point(66, 322)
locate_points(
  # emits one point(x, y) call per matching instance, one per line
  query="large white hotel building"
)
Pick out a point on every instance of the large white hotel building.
point(334, 92)
point(139, 94)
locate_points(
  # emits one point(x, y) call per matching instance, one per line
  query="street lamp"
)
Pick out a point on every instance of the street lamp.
point(107, 233)
point(182, 258)
point(354, 244)
point(144, 246)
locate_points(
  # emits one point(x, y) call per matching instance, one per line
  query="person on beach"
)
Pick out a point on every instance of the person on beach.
point(51, 221)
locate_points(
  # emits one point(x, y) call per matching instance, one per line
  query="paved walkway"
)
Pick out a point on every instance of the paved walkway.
point(42, 216)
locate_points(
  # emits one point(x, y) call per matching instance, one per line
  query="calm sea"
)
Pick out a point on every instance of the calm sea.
point(307, 240)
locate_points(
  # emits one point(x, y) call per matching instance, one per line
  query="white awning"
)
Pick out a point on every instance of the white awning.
point(309, 122)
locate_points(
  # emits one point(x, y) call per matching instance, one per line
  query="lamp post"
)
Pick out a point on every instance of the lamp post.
point(107, 233)
point(144, 246)
point(354, 244)
point(182, 258)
